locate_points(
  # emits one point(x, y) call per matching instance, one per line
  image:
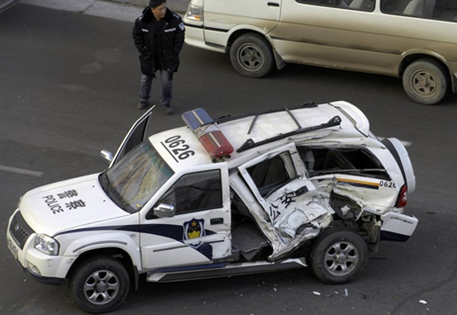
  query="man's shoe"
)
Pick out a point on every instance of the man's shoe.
point(142, 105)
point(167, 108)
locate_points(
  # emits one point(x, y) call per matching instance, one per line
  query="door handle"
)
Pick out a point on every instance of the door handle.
point(273, 4)
point(216, 221)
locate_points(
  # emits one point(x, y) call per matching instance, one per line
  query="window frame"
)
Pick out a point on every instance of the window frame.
point(289, 171)
point(337, 154)
point(172, 190)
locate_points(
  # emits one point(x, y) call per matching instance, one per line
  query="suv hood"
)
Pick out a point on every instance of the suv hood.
point(68, 204)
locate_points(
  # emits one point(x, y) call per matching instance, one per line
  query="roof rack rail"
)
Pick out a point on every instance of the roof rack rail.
point(249, 143)
point(285, 108)
point(227, 118)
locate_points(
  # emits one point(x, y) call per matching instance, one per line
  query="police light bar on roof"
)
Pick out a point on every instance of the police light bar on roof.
point(209, 135)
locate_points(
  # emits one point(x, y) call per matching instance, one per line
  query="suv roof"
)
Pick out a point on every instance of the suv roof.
point(337, 122)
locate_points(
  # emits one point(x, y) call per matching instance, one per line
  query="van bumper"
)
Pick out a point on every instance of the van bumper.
point(195, 37)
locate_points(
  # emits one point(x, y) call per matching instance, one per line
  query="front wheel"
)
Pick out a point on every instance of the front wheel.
point(99, 284)
point(425, 81)
point(338, 255)
point(251, 56)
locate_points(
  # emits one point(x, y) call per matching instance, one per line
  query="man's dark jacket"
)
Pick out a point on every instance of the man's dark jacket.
point(171, 36)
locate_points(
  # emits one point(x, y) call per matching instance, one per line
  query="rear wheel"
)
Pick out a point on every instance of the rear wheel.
point(338, 255)
point(251, 56)
point(99, 284)
point(425, 81)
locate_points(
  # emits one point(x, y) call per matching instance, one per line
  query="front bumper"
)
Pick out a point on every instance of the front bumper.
point(195, 37)
point(44, 280)
point(43, 268)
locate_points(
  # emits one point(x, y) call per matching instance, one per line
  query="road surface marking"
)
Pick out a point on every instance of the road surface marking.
point(20, 171)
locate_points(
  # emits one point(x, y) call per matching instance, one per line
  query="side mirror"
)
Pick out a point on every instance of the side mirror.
point(106, 156)
point(164, 211)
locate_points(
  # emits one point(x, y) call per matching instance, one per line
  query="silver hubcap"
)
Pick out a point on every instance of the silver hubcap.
point(424, 83)
point(250, 57)
point(341, 258)
point(101, 287)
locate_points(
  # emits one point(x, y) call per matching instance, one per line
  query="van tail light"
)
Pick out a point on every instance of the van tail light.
point(207, 132)
point(402, 197)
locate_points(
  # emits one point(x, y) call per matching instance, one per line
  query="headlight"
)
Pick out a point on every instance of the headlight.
point(195, 12)
point(47, 245)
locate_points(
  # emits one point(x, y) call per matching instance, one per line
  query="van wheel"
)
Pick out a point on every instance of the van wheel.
point(338, 255)
point(425, 81)
point(251, 56)
point(99, 284)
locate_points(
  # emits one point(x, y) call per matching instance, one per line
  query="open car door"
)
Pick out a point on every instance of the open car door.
point(134, 137)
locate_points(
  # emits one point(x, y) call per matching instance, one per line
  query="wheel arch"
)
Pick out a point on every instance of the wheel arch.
point(119, 246)
point(239, 32)
point(114, 252)
point(411, 57)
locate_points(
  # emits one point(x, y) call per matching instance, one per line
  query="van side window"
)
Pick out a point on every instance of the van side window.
point(361, 5)
point(359, 162)
point(430, 9)
point(445, 10)
point(194, 192)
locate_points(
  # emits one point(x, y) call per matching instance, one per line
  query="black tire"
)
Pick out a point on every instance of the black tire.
point(99, 284)
point(426, 81)
point(251, 56)
point(338, 255)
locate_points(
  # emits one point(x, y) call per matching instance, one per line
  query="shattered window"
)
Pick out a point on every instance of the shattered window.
point(321, 161)
point(271, 173)
point(195, 192)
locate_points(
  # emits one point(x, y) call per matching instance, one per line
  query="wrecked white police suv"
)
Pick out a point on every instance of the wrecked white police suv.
point(237, 195)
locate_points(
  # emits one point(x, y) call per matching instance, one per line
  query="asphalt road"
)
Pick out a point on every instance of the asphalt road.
point(68, 88)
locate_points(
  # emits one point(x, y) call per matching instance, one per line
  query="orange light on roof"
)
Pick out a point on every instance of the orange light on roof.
point(209, 135)
point(216, 144)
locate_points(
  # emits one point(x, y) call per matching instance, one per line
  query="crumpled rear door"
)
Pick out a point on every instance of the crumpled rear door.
point(292, 210)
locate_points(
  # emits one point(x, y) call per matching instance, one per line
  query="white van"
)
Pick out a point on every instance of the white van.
point(415, 40)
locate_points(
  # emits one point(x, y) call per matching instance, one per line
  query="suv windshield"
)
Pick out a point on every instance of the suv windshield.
point(133, 181)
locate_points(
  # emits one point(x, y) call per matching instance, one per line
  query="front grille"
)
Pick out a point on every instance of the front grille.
point(20, 230)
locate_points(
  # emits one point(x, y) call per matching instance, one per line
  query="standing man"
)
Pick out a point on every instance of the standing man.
point(159, 36)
